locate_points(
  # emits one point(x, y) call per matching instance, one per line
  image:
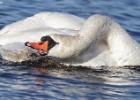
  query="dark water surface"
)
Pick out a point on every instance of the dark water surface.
point(29, 83)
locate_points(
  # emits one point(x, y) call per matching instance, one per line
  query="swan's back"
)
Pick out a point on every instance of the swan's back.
point(43, 20)
point(61, 20)
point(32, 28)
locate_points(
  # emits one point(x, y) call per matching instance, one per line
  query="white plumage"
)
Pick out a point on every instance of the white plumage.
point(96, 41)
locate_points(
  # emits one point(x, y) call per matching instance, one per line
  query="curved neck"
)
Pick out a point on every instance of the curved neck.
point(94, 29)
point(97, 28)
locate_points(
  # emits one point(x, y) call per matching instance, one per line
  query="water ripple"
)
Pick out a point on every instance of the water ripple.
point(41, 84)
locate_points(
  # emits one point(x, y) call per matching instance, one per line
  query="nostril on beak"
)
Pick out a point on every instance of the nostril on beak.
point(27, 44)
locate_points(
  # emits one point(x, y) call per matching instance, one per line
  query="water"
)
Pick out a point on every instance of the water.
point(33, 83)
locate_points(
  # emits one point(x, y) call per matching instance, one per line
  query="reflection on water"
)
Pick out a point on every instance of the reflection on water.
point(41, 83)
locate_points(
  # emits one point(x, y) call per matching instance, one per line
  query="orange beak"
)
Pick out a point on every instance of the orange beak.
point(40, 46)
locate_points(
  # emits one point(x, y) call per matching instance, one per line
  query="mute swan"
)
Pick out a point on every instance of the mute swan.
point(97, 41)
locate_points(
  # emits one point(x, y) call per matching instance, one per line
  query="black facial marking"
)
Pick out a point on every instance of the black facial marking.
point(51, 42)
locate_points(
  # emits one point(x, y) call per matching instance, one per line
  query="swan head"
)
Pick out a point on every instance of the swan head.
point(61, 46)
point(54, 45)
point(51, 42)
